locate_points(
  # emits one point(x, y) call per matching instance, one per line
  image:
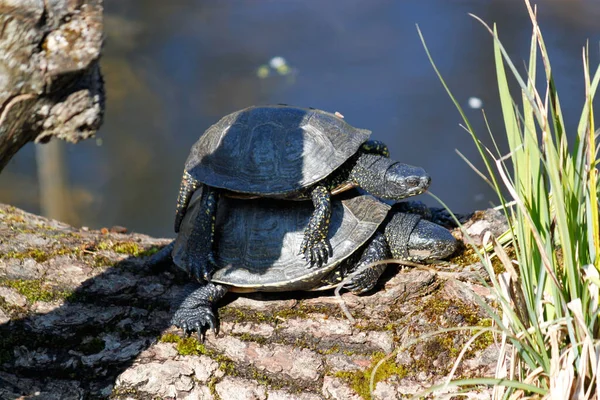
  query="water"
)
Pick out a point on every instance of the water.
point(174, 68)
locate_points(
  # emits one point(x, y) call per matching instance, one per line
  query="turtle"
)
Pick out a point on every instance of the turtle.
point(292, 153)
point(256, 241)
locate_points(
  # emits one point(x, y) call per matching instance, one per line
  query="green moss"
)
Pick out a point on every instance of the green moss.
point(213, 389)
point(127, 247)
point(35, 289)
point(189, 346)
point(13, 219)
point(331, 350)
point(38, 255)
point(360, 380)
point(248, 337)
point(238, 315)
point(102, 261)
point(124, 393)
point(466, 257)
point(41, 256)
point(150, 252)
point(450, 343)
point(170, 338)
point(370, 326)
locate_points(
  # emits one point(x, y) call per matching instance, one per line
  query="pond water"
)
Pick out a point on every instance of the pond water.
point(174, 68)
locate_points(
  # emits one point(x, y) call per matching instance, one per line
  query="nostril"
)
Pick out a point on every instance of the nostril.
point(426, 180)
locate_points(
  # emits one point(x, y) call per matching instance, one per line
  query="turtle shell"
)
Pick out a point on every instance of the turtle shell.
point(256, 242)
point(273, 149)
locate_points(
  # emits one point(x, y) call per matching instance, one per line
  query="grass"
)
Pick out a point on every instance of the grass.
point(548, 294)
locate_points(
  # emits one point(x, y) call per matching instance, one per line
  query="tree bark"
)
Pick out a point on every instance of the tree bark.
point(50, 81)
point(82, 317)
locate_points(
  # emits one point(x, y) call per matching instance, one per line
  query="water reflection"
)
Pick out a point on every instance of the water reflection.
point(174, 68)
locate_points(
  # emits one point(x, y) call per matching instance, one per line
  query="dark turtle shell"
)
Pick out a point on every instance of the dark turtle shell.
point(273, 149)
point(257, 241)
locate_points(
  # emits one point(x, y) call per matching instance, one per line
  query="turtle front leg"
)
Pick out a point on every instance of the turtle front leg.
point(186, 189)
point(197, 311)
point(315, 247)
point(200, 261)
point(365, 276)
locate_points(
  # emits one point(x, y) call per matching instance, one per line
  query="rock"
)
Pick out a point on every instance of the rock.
point(103, 320)
point(12, 297)
point(294, 363)
point(483, 221)
point(281, 395)
point(336, 389)
point(240, 389)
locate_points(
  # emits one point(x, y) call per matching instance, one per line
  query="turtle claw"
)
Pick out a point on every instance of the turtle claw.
point(316, 253)
point(357, 287)
point(203, 268)
point(198, 319)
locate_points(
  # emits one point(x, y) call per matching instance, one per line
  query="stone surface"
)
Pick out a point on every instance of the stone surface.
point(336, 389)
point(103, 321)
point(240, 389)
point(11, 296)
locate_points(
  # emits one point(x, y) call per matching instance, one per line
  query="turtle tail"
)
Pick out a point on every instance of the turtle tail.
point(186, 190)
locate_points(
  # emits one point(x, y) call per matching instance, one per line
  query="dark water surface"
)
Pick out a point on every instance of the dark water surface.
point(174, 68)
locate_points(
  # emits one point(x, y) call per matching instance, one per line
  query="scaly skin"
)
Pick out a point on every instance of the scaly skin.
point(186, 189)
point(315, 247)
point(365, 279)
point(375, 147)
point(196, 313)
point(201, 262)
point(397, 234)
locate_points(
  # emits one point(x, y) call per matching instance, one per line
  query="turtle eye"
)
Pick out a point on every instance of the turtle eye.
point(413, 181)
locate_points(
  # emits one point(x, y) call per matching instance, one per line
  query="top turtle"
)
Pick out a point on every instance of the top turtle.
point(289, 153)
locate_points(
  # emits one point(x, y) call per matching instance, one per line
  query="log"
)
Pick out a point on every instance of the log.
point(81, 316)
point(50, 81)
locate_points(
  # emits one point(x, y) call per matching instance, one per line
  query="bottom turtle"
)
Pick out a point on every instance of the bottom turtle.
point(257, 242)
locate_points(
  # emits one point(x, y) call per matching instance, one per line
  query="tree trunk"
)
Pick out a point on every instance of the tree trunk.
point(82, 317)
point(50, 81)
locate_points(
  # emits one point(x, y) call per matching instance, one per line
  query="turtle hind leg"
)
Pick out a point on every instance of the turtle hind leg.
point(197, 311)
point(186, 189)
point(200, 261)
point(366, 273)
point(375, 147)
point(315, 247)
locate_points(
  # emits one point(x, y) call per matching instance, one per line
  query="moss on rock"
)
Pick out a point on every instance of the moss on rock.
point(35, 289)
point(360, 381)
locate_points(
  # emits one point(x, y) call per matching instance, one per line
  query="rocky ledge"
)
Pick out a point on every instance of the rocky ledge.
point(82, 317)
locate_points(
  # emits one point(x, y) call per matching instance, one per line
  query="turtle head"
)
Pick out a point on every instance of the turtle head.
point(403, 180)
point(388, 179)
point(412, 238)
